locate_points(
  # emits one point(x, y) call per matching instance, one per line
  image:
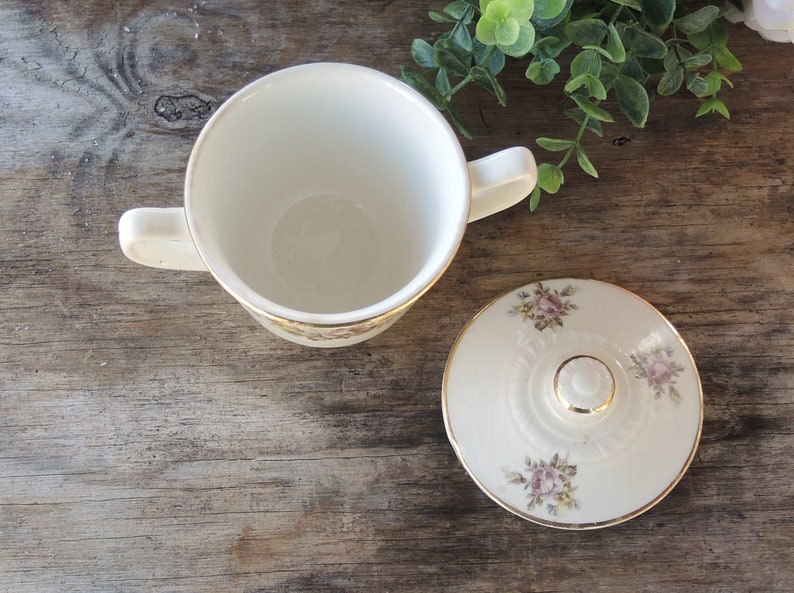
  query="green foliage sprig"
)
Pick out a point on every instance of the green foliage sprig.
point(629, 50)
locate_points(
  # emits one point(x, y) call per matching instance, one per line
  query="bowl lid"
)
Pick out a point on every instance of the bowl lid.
point(572, 403)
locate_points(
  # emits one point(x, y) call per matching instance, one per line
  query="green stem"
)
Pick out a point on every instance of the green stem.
point(577, 141)
point(468, 77)
point(613, 19)
point(583, 126)
point(459, 86)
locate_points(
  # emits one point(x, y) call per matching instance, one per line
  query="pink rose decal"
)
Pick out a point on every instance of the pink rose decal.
point(658, 368)
point(547, 483)
point(549, 305)
point(544, 307)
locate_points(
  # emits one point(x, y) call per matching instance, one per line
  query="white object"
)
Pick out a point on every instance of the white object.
point(572, 403)
point(326, 198)
point(773, 19)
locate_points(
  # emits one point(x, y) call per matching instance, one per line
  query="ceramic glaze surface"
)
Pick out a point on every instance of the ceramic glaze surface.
point(326, 198)
point(572, 403)
point(328, 256)
point(347, 193)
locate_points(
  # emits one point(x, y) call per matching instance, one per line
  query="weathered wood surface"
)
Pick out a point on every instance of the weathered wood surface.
point(153, 438)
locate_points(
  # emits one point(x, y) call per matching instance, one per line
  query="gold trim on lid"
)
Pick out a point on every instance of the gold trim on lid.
point(567, 391)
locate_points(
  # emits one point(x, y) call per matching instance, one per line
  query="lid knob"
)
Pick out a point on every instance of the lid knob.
point(584, 384)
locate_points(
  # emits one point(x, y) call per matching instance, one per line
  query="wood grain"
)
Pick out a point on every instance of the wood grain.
point(153, 438)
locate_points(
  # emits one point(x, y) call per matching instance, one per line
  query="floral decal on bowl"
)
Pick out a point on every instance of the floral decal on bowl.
point(545, 306)
point(657, 366)
point(548, 483)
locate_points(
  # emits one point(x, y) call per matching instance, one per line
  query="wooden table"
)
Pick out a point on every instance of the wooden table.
point(153, 438)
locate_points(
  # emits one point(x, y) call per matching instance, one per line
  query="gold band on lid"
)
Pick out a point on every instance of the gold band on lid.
point(584, 384)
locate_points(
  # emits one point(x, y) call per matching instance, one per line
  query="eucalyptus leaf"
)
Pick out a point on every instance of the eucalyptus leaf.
point(583, 119)
point(586, 62)
point(459, 122)
point(422, 53)
point(632, 68)
point(609, 72)
point(715, 79)
point(698, 20)
point(534, 199)
point(554, 144)
point(713, 105)
point(545, 10)
point(697, 61)
point(698, 86)
point(648, 66)
point(586, 32)
point(550, 178)
point(595, 87)
point(726, 59)
point(459, 10)
point(713, 85)
point(576, 83)
point(635, 4)
point(633, 100)
point(544, 42)
point(554, 43)
point(542, 71)
point(450, 61)
point(670, 82)
point(720, 108)
point(676, 57)
point(658, 13)
point(584, 162)
point(643, 44)
point(462, 38)
point(592, 110)
point(545, 24)
point(506, 32)
point(486, 31)
point(440, 18)
point(615, 45)
point(419, 83)
point(716, 34)
point(523, 44)
point(488, 56)
point(611, 46)
point(600, 50)
point(487, 80)
point(442, 82)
